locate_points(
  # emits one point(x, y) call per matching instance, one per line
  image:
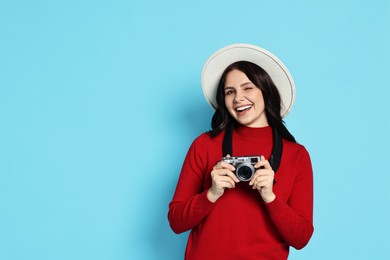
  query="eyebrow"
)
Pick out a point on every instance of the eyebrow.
point(242, 85)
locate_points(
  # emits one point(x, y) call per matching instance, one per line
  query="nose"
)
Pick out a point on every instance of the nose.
point(238, 97)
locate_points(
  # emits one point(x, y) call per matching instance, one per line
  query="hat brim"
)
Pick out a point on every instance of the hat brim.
point(221, 59)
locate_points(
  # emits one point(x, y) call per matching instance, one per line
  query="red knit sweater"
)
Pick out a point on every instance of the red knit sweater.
point(239, 225)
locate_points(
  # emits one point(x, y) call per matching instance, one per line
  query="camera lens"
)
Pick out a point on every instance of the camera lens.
point(244, 172)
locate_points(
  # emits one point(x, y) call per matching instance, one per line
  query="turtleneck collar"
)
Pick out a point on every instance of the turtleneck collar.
point(254, 133)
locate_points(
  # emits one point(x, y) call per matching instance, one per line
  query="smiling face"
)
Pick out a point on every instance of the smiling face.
point(244, 100)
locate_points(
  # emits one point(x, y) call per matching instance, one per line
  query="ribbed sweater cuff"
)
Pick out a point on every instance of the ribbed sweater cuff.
point(203, 201)
point(274, 206)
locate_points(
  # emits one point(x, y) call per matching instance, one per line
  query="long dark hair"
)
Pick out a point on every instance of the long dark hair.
point(222, 118)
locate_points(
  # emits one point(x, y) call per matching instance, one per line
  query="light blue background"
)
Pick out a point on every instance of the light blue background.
point(100, 100)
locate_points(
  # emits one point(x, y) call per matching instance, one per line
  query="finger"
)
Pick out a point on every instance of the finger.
point(262, 174)
point(262, 184)
point(223, 172)
point(267, 164)
point(228, 166)
point(263, 179)
point(263, 163)
point(222, 165)
point(227, 182)
point(255, 176)
point(233, 176)
point(220, 172)
point(228, 174)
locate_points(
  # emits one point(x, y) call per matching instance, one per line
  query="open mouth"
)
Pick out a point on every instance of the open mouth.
point(243, 108)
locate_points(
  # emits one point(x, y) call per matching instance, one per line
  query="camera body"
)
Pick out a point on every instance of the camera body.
point(244, 166)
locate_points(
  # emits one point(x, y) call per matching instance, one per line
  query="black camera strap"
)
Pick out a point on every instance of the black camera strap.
point(277, 149)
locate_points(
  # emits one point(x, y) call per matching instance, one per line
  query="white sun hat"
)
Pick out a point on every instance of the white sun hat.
point(221, 59)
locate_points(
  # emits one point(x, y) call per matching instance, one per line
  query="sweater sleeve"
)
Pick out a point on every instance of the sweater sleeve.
point(190, 205)
point(294, 219)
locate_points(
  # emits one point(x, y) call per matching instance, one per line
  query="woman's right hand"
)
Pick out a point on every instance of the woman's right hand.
point(222, 177)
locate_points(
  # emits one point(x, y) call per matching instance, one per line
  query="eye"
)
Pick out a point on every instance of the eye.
point(228, 92)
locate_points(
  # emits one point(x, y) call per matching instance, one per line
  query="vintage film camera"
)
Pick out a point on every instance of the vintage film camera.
point(244, 166)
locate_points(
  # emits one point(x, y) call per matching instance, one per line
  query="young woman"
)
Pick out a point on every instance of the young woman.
point(231, 217)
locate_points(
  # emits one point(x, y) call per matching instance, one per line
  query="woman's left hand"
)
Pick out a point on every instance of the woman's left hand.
point(263, 180)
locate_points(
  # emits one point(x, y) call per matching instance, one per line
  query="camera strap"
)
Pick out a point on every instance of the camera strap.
point(277, 149)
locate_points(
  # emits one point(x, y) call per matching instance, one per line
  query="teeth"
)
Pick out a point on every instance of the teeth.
point(239, 109)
